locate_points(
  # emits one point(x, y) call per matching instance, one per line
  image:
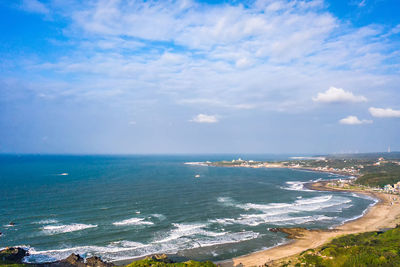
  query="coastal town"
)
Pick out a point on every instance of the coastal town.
point(377, 173)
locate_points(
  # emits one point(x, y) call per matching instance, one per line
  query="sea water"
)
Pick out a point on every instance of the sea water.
point(123, 207)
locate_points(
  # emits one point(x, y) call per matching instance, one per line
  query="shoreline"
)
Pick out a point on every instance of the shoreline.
point(275, 166)
point(383, 214)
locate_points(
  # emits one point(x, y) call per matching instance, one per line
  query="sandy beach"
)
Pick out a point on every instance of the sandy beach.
point(385, 214)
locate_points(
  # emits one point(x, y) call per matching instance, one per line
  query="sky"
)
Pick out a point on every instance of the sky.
point(145, 77)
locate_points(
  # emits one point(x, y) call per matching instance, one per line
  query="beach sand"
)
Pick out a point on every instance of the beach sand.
point(385, 214)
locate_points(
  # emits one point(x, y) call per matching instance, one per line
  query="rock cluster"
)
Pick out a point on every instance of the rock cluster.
point(13, 255)
point(16, 255)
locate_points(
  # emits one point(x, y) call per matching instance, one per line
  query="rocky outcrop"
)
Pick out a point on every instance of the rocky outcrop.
point(14, 255)
point(97, 262)
point(72, 260)
point(75, 260)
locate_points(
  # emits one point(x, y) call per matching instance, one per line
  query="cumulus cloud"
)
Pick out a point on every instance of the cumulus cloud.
point(353, 120)
point(338, 95)
point(203, 118)
point(384, 112)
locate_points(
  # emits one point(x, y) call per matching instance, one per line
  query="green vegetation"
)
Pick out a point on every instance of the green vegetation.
point(4, 264)
point(157, 263)
point(154, 261)
point(366, 249)
point(374, 169)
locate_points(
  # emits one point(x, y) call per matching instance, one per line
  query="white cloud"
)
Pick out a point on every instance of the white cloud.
point(353, 120)
point(384, 112)
point(338, 95)
point(265, 55)
point(203, 118)
point(34, 6)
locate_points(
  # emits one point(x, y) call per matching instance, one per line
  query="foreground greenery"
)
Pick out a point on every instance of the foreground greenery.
point(366, 249)
point(156, 263)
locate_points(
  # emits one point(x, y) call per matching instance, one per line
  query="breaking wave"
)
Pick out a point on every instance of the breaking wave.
point(180, 237)
point(133, 221)
point(66, 228)
point(282, 213)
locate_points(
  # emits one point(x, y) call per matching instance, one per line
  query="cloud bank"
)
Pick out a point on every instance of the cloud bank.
point(260, 65)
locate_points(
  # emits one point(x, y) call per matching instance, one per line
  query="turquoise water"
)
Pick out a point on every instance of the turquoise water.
point(121, 207)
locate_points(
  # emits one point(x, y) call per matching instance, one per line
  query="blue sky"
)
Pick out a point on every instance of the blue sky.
point(115, 76)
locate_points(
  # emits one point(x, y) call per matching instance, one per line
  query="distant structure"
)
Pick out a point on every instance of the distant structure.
point(388, 149)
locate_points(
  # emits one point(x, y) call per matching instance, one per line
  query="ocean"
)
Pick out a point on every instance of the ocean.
point(123, 207)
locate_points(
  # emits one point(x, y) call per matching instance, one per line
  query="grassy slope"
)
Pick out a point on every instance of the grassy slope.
point(366, 249)
point(151, 262)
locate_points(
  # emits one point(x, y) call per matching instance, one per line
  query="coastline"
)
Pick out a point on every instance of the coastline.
point(384, 214)
point(275, 166)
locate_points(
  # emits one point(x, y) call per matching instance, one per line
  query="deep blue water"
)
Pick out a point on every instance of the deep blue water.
point(120, 207)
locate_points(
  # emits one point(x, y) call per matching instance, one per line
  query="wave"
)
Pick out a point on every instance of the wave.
point(296, 186)
point(66, 228)
point(282, 213)
point(133, 221)
point(185, 230)
point(182, 236)
point(197, 163)
point(300, 205)
point(374, 202)
point(257, 219)
point(47, 221)
point(158, 216)
point(227, 200)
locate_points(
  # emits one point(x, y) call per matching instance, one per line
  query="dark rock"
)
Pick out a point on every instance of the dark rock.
point(14, 255)
point(73, 260)
point(97, 262)
point(11, 224)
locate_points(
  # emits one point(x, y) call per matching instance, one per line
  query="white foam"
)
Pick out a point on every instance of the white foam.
point(133, 221)
point(158, 216)
point(183, 236)
point(225, 199)
point(296, 186)
point(66, 228)
point(375, 201)
point(257, 219)
point(126, 244)
point(197, 163)
point(282, 213)
point(58, 254)
point(185, 230)
point(304, 204)
point(48, 221)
